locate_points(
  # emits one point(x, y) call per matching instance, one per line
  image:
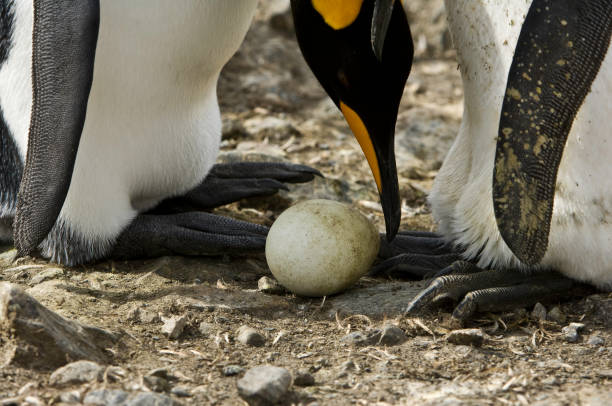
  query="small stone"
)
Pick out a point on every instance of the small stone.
point(270, 286)
point(77, 372)
point(539, 312)
point(392, 335)
point(469, 336)
point(70, 397)
point(303, 378)
point(181, 392)
point(149, 317)
point(150, 399)
point(45, 275)
point(251, 337)
point(556, 315)
point(206, 329)
point(264, 385)
point(571, 332)
point(232, 370)
point(173, 326)
point(596, 340)
point(105, 397)
point(359, 338)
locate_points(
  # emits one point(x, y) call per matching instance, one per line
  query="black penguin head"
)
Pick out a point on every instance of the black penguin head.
point(361, 51)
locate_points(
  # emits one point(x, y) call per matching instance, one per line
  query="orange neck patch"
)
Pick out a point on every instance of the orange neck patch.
point(363, 137)
point(338, 14)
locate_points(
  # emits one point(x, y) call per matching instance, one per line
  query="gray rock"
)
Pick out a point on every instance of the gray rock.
point(359, 338)
point(231, 370)
point(269, 285)
point(173, 327)
point(556, 315)
point(264, 385)
point(149, 317)
point(392, 335)
point(596, 340)
point(159, 380)
point(105, 397)
point(571, 332)
point(469, 336)
point(73, 396)
point(539, 312)
point(45, 275)
point(181, 392)
point(303, 378)
point(206, 329)
point(251, 337)
point(150, 399)
point(77, 372)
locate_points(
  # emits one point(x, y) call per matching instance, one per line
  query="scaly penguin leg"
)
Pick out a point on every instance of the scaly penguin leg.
point(230, 182)
point(191, 233)
point(490, 290)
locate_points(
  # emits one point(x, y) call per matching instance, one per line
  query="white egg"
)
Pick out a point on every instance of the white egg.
point(320, 247)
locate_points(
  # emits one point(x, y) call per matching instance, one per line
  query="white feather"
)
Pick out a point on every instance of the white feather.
point(485, 33)
point(153, 124)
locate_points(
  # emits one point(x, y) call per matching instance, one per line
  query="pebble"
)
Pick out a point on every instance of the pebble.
point(270, 286)
point(571, 332)
point(469, 336)
point(264, 385)
point(303, 378)
point(173, 326)
point(206, 329)
point(116, 397)
point(77, 372)
point(392, 335)
point(45, 275)
point(231, 370)
point(539, 312)
point(181, 392)
point(251, 337)
point(70, 397)
point(105, 397)
point(556, 315)
point(595, 339)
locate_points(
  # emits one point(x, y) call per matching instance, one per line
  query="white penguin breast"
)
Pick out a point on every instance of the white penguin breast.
point(153, 125)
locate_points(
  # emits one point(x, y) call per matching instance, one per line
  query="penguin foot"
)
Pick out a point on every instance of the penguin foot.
point(191, 233)
point(415, 254)
point(475, 290)
point(230, 182)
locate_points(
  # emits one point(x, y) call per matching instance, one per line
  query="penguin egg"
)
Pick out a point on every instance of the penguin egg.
point(320, 247)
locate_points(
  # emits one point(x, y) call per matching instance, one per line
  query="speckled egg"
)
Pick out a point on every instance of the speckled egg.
point(320, 247)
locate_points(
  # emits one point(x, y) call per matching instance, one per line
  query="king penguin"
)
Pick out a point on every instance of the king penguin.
point(110, 128)
point(525, 191)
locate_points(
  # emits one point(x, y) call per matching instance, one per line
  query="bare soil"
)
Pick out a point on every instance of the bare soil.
point(273, 106)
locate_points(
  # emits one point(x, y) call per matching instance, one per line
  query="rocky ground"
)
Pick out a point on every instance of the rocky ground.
point(198, 331)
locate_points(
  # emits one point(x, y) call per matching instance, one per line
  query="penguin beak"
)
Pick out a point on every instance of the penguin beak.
point(380, 154)
point(383, 10)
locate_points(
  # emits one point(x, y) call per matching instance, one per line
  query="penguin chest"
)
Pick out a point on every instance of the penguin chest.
point(153, 126)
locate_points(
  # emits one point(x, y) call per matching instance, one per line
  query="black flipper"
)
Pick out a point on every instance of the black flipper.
point(559, 53)
point(64, 43)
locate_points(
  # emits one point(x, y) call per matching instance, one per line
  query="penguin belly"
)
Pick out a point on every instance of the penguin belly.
point(152, 128)
point(485, 33)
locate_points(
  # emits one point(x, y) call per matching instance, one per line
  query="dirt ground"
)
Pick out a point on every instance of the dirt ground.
point(273, 106)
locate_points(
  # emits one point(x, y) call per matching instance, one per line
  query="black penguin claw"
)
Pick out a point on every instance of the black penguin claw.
point(470, 289)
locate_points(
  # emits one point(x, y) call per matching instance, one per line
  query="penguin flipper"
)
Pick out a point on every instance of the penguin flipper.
point(559, 54)
point(230, 182)
point(64, 42)
point(190, 233)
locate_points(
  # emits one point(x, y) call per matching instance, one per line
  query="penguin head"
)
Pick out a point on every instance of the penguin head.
point(361, 52)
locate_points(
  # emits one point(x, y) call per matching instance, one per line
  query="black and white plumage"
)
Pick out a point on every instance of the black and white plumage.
point(525, 188)
point(111, 108)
